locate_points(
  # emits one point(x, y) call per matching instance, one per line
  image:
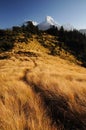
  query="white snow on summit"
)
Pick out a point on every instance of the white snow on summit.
point(34, 23)
point(48, 23)
point(51, 21)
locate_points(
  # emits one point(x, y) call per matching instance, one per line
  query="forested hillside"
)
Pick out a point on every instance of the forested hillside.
point(72, 42)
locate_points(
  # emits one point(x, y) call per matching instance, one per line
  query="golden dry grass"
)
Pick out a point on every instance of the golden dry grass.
point(39, 91)
point(42, 93)
point(32, 45)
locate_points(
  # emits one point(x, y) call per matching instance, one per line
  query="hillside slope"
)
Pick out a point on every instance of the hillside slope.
point(39, 91)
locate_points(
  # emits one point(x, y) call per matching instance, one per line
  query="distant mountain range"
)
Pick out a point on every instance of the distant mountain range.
point(49, 22)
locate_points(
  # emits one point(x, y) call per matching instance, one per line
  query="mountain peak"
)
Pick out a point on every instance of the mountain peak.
point(34, 23)
point(49, 21)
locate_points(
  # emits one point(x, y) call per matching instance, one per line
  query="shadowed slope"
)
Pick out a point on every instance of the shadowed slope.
point(64, 113)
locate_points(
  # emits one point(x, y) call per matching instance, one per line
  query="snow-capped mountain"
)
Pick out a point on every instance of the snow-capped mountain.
point(48, 23)
point(34, 23)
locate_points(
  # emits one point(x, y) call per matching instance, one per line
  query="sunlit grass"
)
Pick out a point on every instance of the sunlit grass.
point(40, 91)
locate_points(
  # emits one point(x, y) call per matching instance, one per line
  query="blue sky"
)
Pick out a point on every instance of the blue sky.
point(15, 12)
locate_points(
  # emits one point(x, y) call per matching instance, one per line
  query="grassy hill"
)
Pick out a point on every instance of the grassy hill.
point(44, 43)
point(42, 92)
point(42, 85)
